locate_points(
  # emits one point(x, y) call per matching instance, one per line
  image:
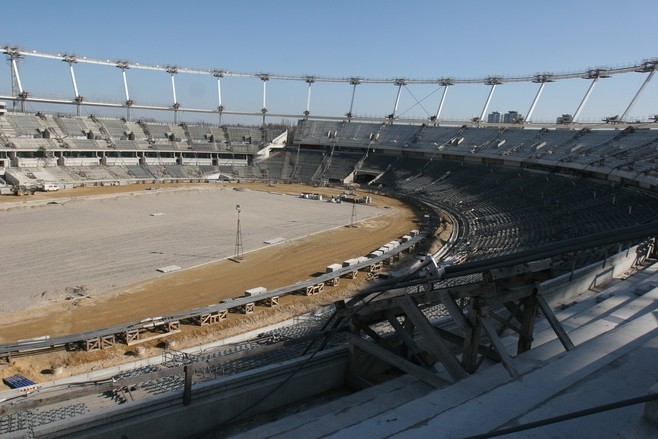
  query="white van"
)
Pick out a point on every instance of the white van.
point(49, 187)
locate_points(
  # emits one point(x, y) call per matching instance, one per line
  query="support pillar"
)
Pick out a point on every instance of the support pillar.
point(310, 80)
point(173, 71)
point(594, 75)
point(493, 82)
point(76, 96)
point(263, 110)
point(123, 65)
point(399, 83)
point(651, 67)
point(354, 82)
point(445, 83)
point(14, 56)
point(541, 80)
point(219, 74)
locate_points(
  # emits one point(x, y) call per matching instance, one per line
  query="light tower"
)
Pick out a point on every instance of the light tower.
point(353, 219)
point(239, 250)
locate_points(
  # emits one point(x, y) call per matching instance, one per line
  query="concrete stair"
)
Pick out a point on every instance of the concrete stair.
point(605, 327)
point(345, 411)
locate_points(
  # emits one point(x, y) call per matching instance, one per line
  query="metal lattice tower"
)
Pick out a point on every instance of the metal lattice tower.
point(353, 219)
point(239, 250)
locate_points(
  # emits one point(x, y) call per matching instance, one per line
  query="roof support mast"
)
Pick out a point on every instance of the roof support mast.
point(219, 74)
point(123, 65)
point(354, 82)
point(493, 82)
point(445, 83)
point(70, 59)
point(14, 55)
point(399, 83)
point(310, 80)
point(263, 110)
point(650, 67)
point(541, 80)
point(172, 71)
point(594, 75)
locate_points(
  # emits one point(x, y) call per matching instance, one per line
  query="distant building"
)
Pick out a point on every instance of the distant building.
point(565, 119)
point(509, 117)
point(493, 117)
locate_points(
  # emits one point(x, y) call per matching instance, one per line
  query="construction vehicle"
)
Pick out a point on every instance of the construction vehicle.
point(21, 190)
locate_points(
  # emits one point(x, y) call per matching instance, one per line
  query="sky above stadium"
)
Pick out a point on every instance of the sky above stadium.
point(372, 39)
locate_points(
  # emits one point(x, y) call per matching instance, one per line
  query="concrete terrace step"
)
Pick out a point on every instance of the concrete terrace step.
point(340, 413)
point(604, 304)
point(478, 384)
point(515, 398)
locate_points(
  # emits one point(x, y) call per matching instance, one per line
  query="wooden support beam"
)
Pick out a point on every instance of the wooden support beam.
point(555, 323)
point(455, 312)
point(396, 361)
point(528, 318)
point(92, 344)
point(472, 343)
point(408, 340)
point(460, 341)
point(505, 322)
point(502, 296)
point(515, 310)
point(434, 343)
point(505, 358)
point(373, 334)
point(247, 308)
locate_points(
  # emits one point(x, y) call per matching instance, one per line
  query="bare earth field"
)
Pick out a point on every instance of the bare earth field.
point(90, 261)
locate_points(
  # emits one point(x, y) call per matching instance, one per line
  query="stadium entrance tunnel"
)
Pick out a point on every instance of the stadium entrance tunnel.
point(366, 177)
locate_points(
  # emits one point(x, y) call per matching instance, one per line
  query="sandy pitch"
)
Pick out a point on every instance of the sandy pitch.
point(89, 262)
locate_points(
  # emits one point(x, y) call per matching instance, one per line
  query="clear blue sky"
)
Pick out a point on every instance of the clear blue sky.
point(383, 39)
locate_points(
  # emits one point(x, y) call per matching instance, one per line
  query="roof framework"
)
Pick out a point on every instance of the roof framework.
point(22, 95)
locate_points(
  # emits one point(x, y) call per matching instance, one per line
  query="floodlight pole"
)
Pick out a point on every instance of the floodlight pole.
point(353, 218)
point(493, 82)
point(445, 83)
point(541, 80)
point(650, 67)
point(354, 82)
point(239, 250)
point(594, 75)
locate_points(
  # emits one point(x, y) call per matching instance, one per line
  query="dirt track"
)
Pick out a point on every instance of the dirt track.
point(271, 267)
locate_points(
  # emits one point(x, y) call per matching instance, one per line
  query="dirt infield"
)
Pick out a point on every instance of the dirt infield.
point(271, 267)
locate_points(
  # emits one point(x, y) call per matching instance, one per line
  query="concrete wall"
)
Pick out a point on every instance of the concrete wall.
point(213, 403)
point(565, 288)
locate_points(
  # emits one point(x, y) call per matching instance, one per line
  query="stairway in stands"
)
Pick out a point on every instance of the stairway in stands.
point(616, 336)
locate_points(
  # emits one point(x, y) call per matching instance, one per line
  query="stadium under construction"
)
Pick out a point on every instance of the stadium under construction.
point(534, 316)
